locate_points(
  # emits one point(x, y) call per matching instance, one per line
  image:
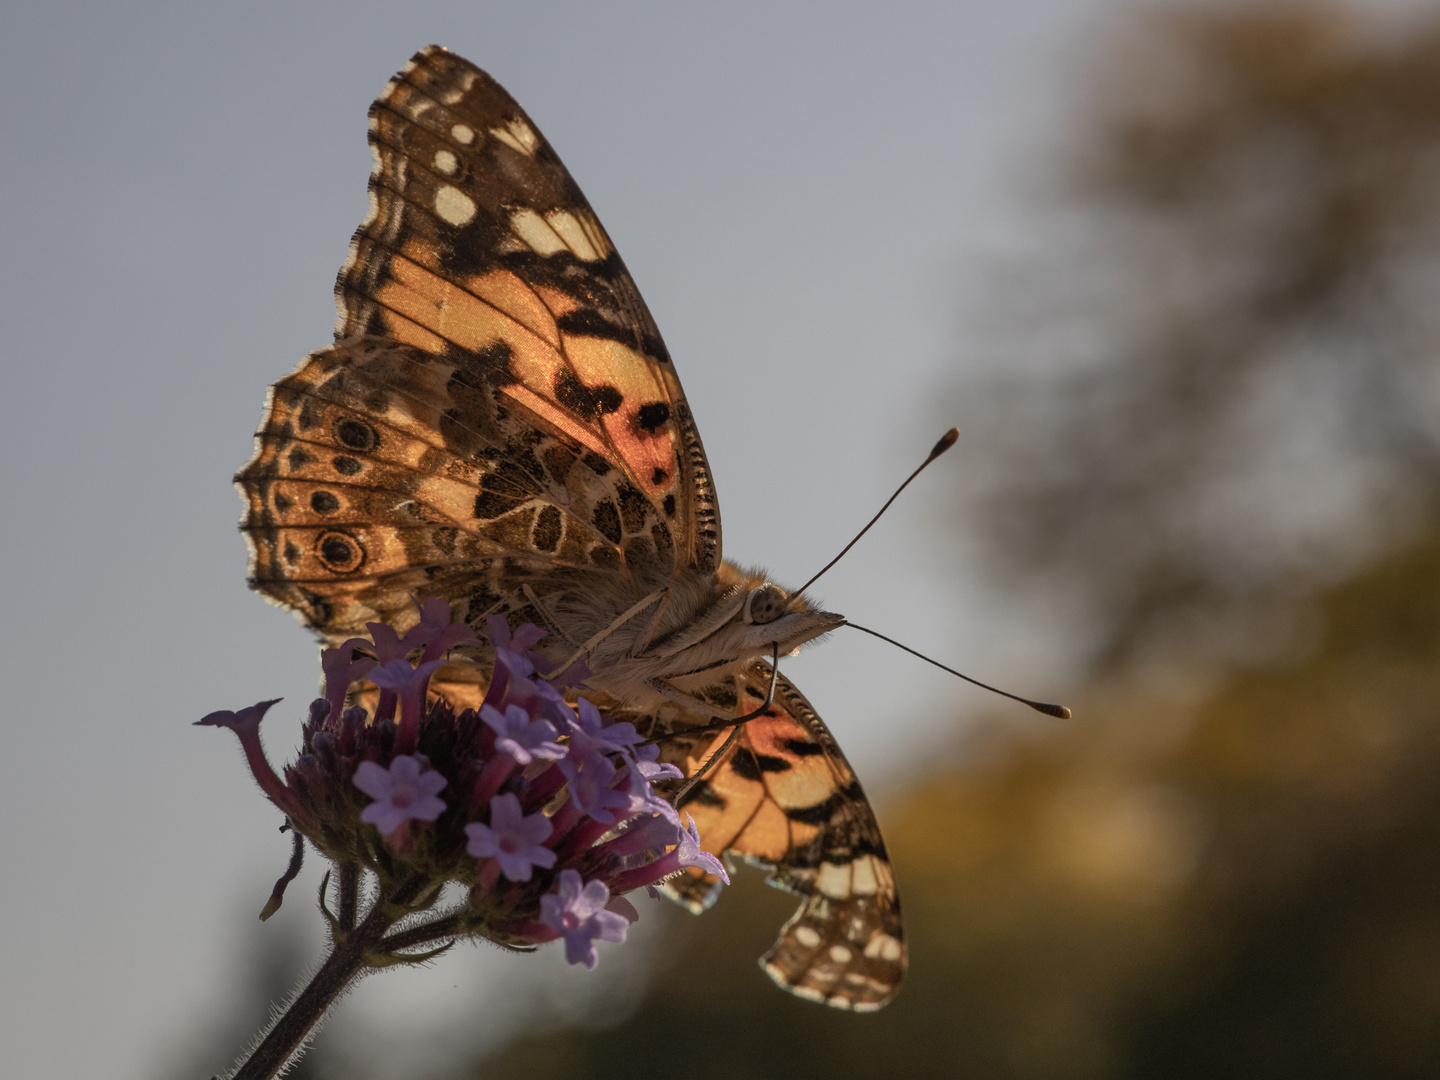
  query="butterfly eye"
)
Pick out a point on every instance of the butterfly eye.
point(765, 604)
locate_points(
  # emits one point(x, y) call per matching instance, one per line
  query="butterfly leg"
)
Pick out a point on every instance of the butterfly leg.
point(736, 726)
point(643, 642)
point(721, 722)
point(545, 617)
point(583, 651)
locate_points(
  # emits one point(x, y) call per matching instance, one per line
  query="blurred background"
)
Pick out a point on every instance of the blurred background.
point(1174, 271)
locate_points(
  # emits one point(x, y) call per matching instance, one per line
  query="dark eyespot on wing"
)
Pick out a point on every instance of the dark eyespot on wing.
point(324, 502)
point(356, 434)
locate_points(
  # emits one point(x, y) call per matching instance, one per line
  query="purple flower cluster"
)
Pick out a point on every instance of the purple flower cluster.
point(547, 811)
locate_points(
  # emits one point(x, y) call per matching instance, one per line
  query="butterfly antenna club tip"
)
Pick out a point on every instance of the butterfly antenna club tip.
point(946, 441)
point(1060, 712)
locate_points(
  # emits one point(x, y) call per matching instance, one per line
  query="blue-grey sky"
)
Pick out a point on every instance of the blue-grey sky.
point(802, 192)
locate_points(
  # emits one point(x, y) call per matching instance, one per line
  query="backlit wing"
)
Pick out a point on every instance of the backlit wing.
point(498, 397)
point(784, 798)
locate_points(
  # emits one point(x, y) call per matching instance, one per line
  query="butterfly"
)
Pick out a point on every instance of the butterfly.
point(498, 424)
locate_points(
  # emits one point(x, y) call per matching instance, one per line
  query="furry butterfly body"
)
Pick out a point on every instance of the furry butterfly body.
point(499, 424)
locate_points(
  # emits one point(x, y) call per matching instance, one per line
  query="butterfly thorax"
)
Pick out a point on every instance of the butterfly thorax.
point(681, 635)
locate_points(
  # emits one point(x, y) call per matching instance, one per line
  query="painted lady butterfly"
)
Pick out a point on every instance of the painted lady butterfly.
point(499, 424)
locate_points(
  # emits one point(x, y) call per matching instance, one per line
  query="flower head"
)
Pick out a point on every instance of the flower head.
point(578, 912)
point(566, 857)
point(401, 792)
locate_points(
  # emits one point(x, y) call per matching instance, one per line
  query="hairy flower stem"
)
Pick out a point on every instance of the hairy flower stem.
point(350, 956)
point(349, 894)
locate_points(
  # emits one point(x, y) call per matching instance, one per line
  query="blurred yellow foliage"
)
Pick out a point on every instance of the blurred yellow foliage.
point(1257, 893)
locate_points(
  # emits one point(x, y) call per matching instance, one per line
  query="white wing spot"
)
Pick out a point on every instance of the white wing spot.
point(464, 134)
point(537, 235)
point(596, 234)
point(884, 947)
point(864, 879)
point(834, 880)
point(807, 936)
point(518, 135)
point(454, 97)
point(573, 233)
point(454, 206)
point(445, 162)
point(840, 954)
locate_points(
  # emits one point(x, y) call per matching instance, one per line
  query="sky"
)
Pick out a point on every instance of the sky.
point(802, 192)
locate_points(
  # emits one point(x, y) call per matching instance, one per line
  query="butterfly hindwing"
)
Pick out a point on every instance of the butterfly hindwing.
point(784, 798)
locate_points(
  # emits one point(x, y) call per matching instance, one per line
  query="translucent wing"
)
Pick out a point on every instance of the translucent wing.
point(499, 403)
point(784, 798)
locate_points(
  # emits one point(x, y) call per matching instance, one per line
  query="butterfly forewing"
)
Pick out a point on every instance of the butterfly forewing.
point(499, 421)
point(479, 242)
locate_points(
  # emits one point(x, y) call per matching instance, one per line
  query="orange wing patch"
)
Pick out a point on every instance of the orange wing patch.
point(480, 242)
point(785, 799)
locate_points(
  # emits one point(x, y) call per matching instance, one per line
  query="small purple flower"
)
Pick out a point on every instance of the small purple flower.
point(388, 644)
point(537, 695)
point(590, 789)
point(341, 669)
point(520, 737)
point(653, 771)
point(653, 834)
point(580, 916)
point(401, 792)
point(515, 651)
point(246, 725)
point(512, 839)
point(407, 684)
point(399, 676)
point(435, 631)
point(688, 853)
point(591, 733)
point(643, 800)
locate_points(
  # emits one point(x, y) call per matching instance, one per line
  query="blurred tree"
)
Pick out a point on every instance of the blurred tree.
point(1239, 325)
point(1240, 420)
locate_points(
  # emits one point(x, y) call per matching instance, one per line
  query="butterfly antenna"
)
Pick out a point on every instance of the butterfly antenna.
point(946, 441)
point(1058, 711)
